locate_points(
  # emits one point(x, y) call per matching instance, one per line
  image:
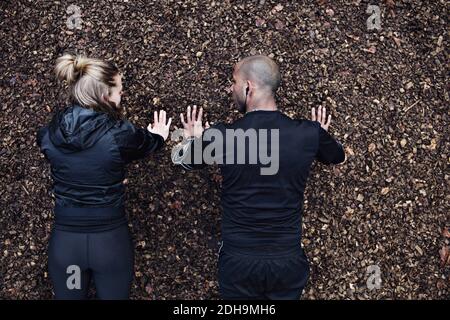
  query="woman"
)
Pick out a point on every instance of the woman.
point(88, 145)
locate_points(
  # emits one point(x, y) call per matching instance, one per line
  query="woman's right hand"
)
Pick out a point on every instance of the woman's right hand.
point(159, 124)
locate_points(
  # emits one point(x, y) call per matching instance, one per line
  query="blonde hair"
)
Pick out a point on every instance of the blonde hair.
point(90, 80)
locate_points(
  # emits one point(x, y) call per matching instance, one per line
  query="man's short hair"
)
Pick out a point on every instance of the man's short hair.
point(262, 70)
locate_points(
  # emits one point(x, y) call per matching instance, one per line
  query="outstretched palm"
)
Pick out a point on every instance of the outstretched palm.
point(193, 126)
point(321, 117)
point(159, 124)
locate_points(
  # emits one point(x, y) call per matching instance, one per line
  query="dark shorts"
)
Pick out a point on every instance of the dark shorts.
point(270, 277)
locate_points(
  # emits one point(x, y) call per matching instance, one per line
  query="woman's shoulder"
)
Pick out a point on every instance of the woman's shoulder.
point(123, 125)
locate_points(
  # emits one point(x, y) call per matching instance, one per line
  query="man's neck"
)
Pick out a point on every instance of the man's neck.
point(263, 106)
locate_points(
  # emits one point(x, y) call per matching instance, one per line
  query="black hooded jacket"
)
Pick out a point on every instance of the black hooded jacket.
point(88, 152)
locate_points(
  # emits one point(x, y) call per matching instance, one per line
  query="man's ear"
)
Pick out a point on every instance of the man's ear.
point(250, 87)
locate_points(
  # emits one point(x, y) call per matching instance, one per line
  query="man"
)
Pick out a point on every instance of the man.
point(261, 255)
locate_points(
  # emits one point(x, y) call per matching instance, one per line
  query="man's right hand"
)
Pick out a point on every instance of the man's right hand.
point(193, 126)
point(321, 117)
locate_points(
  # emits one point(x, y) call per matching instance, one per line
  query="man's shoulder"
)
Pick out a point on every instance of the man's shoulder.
point(286, 121)
point(220, 126)
point(308, 123)
point(301, 123)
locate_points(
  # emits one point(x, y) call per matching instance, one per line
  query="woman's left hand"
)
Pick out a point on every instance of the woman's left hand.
point(159, 124)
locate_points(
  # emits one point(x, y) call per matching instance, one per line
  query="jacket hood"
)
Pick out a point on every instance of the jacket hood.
point(77, 128)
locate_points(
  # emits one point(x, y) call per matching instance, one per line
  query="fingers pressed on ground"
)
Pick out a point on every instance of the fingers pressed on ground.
point(188, 115)
point(200, 115)
point(194, 114)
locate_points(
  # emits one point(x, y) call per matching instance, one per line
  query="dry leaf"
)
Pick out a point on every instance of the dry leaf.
point(278, 7)
point(349, 151)
point(279, 25)
point(445, 256)
point(403, 142)
point(260, 22)
point(371, 49)
point(390, 4)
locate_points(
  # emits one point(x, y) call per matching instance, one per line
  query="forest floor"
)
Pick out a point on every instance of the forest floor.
point(387, 90)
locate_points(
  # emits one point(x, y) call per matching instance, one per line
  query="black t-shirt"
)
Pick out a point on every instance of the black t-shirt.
point(264, 210)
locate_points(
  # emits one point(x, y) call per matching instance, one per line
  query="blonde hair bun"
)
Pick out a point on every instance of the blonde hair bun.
point(71, 67)
point(90, 81)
